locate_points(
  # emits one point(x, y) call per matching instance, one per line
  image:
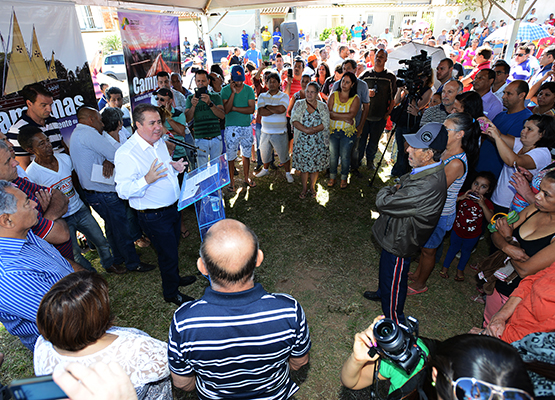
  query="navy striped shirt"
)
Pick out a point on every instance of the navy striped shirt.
point(239, 344)
point(51, 129)
point(28, 269)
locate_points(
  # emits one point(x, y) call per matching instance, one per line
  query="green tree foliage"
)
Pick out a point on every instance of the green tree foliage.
point(110, 43)
point(338, 31)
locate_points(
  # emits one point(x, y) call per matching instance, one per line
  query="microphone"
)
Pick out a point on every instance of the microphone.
point(168, 138)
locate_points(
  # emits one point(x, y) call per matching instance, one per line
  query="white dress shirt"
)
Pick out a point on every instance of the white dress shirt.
point(133, 161)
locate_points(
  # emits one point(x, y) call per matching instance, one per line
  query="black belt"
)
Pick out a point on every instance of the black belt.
point(155, 210)
point(209, 138)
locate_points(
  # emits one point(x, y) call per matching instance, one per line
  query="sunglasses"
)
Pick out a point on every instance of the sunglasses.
point(470, 388)
point(519, 55)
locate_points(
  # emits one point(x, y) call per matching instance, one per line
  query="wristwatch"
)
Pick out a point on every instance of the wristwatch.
point(211, 105)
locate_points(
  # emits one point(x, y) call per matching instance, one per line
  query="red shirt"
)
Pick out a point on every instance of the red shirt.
point(469, 218)
point(544, 42)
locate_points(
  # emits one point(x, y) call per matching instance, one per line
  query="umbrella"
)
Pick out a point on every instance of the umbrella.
point(527, 32)
point(421, 24)
point(412, 49)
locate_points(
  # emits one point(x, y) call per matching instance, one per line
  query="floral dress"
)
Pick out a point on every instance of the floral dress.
point(311, 152)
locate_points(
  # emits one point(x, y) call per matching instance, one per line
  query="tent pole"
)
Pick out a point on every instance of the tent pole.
point(206, 38)
point(518, 19)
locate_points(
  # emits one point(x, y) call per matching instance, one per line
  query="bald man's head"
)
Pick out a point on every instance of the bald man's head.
point(230, 252)
point(89, 116)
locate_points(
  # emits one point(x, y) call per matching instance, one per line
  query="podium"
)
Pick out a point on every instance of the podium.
point(202, 187)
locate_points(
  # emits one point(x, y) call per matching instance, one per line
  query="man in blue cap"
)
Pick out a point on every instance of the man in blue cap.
point(238, 100)
point(409, 212)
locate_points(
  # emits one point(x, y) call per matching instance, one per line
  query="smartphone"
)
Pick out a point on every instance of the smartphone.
point(483, 125)
point(37, 388)
point(473, 196)
point(290, 72)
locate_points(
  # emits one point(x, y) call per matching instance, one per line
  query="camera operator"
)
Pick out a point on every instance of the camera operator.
point(406, 120)
point(360, 369)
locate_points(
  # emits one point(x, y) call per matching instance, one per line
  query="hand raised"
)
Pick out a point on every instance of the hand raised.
point(154, 173)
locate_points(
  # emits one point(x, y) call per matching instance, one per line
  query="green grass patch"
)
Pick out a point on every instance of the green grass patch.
point(319, 250)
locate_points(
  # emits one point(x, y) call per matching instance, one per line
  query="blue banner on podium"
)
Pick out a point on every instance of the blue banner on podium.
point(202, 187)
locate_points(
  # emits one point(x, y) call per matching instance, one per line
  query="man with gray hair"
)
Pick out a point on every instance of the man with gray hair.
point(29, 265)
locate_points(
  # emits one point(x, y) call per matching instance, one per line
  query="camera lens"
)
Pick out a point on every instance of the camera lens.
point(389, 337)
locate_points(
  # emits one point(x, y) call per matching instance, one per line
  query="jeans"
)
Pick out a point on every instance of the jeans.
point(464, 245)
point(134, 228)
point(163, 229)
point(401, 167)
point(112, 210)
point(84, 222)
point(212, 147)
point(265, 48)
point(340, 146)
point(373, 131)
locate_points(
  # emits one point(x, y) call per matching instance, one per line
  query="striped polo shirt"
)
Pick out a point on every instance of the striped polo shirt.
point(28, 269)
point(51, 130)
point(238, 344)
point(276, 123)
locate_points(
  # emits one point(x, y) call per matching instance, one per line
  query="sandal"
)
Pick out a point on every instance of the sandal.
point(313, 193)
point(250, 183)
point(185, 234)
point(343, 183)
point(302, 195)
point(444, 275)
point(459, 278)
point(331, 182)
point(231, 188)
point(478, 299)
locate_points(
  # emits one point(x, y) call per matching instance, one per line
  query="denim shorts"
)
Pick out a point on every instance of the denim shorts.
point(444, 225)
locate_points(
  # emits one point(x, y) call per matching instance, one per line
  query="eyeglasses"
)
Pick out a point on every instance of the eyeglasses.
point(470, 388)
point(519, 55)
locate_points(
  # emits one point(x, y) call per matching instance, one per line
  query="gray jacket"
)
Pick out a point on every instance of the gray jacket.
point(409, 215)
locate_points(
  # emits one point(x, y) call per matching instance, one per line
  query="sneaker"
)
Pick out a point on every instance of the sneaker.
point(262, 173)
point(289, 177)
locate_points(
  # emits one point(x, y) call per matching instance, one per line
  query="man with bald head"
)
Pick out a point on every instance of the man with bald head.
point(238, 339)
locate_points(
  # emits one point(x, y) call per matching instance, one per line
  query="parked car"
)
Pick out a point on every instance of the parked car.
point(114, 66)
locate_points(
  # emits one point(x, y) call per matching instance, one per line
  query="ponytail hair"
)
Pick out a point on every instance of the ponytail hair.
point(470, 141)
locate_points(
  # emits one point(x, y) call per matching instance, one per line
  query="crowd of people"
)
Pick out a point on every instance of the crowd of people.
point(473, 137)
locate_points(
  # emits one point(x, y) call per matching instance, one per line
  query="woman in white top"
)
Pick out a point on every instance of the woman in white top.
point(75, 323)
point(530, 151)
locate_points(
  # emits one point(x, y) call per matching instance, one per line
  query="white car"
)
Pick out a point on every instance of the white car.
point(114, 66)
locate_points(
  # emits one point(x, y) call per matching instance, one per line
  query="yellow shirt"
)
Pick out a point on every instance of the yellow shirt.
point(266, 36)
point(339, 107)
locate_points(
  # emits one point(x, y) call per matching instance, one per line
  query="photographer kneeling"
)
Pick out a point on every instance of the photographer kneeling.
point(387, 351)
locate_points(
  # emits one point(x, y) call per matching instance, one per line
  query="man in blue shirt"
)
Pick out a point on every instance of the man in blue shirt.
point(29, 265)
point(508, 122)
point(245, 40)
point(237, 340)
point(521, 68)
point(253, 55)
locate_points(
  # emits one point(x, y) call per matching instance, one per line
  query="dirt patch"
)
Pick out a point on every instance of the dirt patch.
point(304, 280)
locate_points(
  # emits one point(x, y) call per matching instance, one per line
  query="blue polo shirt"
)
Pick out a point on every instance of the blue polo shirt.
point(28, 269)
point(508, 124)
point(238, 344)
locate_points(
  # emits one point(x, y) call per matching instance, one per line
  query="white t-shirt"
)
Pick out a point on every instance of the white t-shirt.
point(123, 136)
point(60, 180)
point(504, 192)
point(276, 123)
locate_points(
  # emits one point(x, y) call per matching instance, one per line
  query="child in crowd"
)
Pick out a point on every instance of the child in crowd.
point(474, 211)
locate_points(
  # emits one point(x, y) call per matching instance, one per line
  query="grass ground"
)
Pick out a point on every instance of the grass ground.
point(318, 250)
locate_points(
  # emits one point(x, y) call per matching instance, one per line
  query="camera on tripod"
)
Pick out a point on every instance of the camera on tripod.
point(398, 343)
point(414, 76)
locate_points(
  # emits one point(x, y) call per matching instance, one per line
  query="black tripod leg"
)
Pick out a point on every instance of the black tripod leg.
point(391, 135)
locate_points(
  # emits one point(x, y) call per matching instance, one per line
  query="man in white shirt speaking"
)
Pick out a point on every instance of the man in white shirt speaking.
point(147, 177)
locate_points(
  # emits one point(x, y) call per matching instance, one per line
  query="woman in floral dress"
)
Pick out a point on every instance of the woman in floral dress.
point(311, 122)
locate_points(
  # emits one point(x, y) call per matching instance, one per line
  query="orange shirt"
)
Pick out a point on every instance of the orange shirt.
point(536, 311)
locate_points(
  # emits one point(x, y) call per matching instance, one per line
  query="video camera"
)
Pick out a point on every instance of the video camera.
point(418, 69)
point(398, 343)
